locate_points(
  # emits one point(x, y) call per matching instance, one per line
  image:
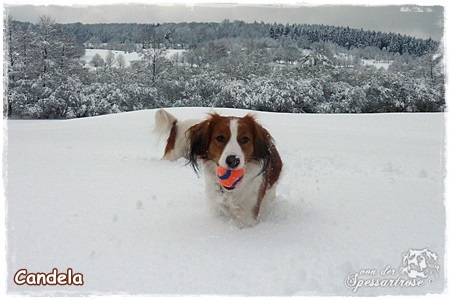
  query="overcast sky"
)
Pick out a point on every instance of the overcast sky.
point(418, 21)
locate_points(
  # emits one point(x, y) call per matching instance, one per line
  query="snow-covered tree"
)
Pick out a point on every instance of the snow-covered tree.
point(110, 59)
point(97, 61)
point(120, 61)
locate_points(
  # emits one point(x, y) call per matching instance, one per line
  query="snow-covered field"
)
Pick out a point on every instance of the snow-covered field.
point(92, 195)
point(129, 56)
point(132, 56)
point(376, 64)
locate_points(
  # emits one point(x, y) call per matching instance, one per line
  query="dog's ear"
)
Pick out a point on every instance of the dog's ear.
point(264, 146)
point(199, 136)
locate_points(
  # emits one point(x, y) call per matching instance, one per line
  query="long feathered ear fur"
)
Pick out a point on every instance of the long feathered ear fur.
point(264, 145)
point(199, 136)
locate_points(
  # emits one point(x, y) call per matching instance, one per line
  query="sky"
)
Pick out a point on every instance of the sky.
point(415, 20)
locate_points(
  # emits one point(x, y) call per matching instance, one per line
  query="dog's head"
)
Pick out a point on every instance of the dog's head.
point(231, 142)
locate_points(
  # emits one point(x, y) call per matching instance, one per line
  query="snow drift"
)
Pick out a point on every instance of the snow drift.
point(92, 195)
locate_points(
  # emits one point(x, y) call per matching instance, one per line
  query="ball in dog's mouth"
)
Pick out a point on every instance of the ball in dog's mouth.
point(229, 178)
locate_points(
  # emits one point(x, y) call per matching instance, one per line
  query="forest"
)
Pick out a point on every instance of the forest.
point(297, 68)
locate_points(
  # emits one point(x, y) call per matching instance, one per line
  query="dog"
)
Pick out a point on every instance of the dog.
point(233, 143)
point(177, 144)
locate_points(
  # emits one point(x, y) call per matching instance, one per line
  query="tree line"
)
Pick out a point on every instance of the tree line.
point(188, 35)
point(354, 38)
point(46, 78)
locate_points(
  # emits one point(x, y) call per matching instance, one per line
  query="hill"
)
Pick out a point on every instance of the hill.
point(92, 194)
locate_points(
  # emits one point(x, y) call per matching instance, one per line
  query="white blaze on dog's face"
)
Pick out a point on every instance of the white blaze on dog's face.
point(232, 156)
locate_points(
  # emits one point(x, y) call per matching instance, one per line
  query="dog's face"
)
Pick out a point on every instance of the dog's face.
point(230, 142)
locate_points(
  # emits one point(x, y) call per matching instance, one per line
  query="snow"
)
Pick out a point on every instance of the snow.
point(92, 194)
point(129, 56)
point(170, 53)
point(376, 64)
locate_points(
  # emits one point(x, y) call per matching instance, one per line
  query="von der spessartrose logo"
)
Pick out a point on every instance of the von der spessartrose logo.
point(420, 264)
point(418, 268)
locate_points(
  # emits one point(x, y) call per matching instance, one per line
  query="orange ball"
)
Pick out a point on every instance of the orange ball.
point(229, 178)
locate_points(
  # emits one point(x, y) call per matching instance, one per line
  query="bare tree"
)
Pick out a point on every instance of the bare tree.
point(46, 40)
point(154, 53)
point(120, 61)
point(110, 59)
point(10, 48)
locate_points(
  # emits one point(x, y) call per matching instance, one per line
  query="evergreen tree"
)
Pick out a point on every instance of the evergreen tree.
point(97, 61)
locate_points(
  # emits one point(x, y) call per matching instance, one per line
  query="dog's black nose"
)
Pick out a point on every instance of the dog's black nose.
point(232, 161)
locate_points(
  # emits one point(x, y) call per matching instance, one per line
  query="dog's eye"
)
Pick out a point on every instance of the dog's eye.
point(220, 138)
point(245, 140)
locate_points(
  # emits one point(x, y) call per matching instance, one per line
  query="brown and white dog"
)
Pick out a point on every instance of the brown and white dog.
point(233, 143)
